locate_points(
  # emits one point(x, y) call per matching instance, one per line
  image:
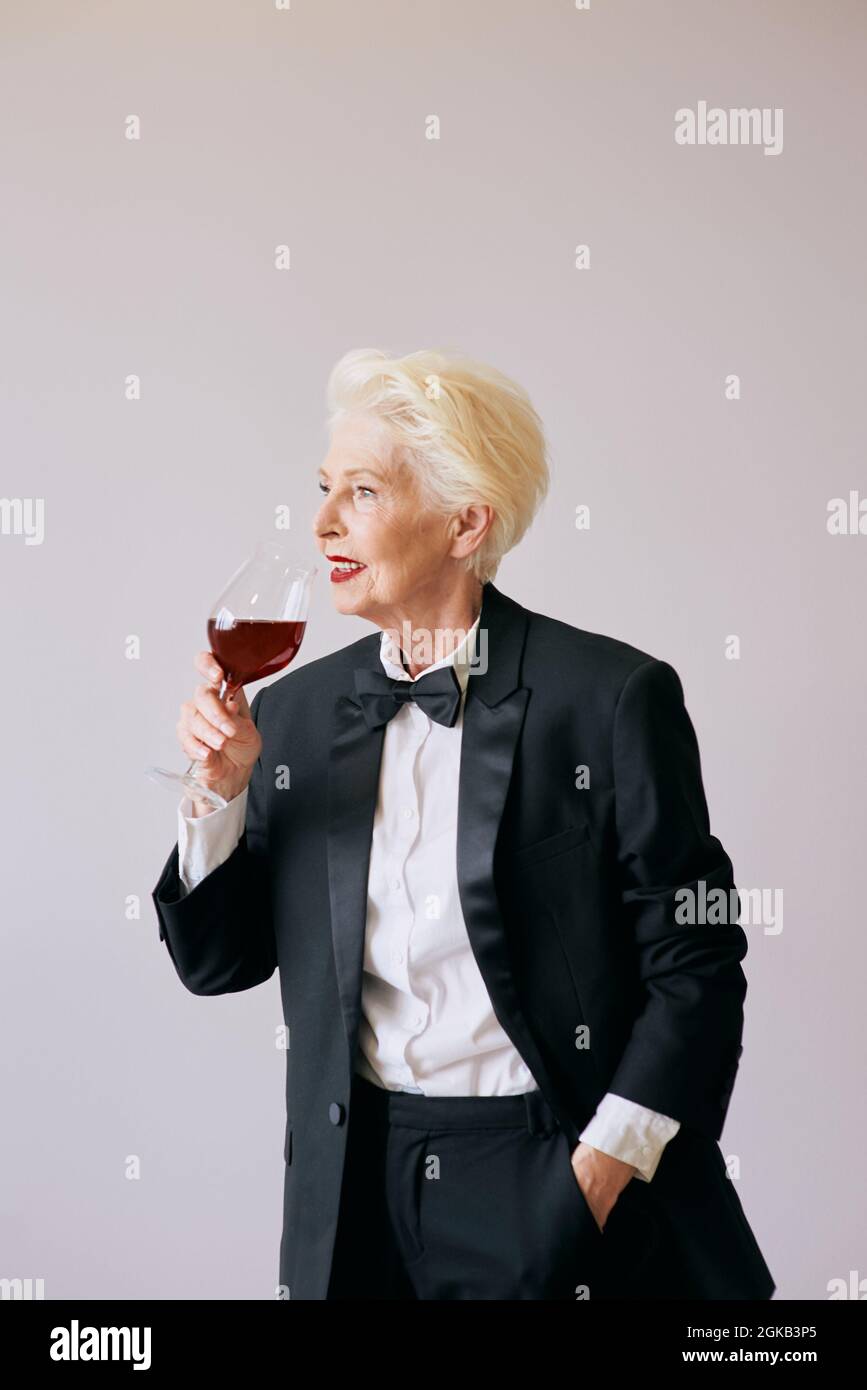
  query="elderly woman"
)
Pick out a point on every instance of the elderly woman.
point(510, 1057)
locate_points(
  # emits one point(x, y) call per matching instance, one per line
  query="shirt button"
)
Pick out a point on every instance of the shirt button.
point(396, 883)
point(398, 957)
point(408, 812)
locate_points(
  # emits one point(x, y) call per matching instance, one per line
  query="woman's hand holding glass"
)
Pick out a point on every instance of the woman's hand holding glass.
point(222, 738)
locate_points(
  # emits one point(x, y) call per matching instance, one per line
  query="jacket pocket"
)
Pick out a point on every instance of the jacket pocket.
point(552, 845)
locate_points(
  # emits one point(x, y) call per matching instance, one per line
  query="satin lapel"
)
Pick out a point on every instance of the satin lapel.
point(353, 784)
point(488, 746)
point(493, 715)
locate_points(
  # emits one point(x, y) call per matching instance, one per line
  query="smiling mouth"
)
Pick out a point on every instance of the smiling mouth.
point(344, 570)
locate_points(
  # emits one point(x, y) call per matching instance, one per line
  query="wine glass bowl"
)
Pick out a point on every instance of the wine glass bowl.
point(249, 649)
point(255, 629)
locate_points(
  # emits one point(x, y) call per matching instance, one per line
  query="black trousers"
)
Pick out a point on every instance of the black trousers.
point(466, 1198)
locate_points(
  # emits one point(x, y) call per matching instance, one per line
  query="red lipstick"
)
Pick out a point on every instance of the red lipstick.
point(341, 576)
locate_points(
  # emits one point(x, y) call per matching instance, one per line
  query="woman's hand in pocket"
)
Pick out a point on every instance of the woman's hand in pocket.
point(601, 1178)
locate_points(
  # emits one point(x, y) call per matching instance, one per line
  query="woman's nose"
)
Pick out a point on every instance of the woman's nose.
point(326, 521)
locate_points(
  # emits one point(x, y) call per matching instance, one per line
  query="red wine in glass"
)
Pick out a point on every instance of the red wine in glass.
point(249, 649)
point(255, 628)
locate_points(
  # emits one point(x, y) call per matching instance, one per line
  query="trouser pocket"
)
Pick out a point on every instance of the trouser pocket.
point(406, 1151)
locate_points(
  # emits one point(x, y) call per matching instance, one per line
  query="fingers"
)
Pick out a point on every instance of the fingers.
point(204, 724)
point(206, 732)
point(192, 747)
point(195, 734)
point(214, 712)
point(207, 665)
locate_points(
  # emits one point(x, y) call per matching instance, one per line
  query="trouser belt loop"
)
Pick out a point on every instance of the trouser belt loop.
point(540, 1117)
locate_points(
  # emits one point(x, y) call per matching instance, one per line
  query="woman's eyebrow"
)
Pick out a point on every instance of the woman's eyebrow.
point(354, 472)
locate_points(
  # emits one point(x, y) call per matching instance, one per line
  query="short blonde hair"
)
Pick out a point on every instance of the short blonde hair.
point(470, 433)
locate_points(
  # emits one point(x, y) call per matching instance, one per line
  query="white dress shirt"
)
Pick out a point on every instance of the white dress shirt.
point(427, 1021)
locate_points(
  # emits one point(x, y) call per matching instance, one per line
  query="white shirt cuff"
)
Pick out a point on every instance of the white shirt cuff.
point(629, 1131)
point(205, 842)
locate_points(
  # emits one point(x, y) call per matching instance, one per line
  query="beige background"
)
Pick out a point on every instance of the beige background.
point(708, 518)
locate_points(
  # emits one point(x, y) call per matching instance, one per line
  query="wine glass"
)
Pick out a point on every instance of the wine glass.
point(255, 628)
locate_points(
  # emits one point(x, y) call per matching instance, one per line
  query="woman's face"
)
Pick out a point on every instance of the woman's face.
point(371, 514)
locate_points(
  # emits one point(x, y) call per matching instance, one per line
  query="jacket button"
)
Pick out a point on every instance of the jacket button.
point(336, 1113)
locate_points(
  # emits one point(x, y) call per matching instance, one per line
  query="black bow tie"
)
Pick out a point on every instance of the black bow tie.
point(438, 694)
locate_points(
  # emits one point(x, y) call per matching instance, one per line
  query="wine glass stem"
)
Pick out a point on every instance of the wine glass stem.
point(225, 693)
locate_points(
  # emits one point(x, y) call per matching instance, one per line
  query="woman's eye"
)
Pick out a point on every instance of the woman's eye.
point(323, 488)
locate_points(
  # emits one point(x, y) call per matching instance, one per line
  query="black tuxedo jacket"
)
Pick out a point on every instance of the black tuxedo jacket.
point(567, 893)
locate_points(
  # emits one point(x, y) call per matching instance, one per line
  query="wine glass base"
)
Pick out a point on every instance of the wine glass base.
point(173, 780)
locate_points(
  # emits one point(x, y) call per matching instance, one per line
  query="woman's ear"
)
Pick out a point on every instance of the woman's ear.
point(469, 528)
